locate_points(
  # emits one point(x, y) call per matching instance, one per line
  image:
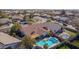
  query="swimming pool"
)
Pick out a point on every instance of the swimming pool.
point(50, 42)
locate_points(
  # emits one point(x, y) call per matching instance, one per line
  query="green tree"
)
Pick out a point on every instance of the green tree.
point(27, 42)
point(0, 13)
point(50, 33)
point(30, 21)
point(24, 17)
point(78, 33)
point(31, 15)
point(49, 20)
point(63, 12)
point(3, 15)
point(15, 28)
point(46, 46)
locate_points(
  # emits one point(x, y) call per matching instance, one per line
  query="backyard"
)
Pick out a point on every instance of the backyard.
point(72, 34)
point(64, 47)
point(75, 43)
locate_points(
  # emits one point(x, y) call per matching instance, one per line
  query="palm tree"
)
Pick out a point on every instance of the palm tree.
point(15, 28)
point(27, 42)
point(50, 33)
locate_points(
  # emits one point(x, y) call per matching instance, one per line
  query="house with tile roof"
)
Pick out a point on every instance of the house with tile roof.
point(4, 21)
point(39, 29)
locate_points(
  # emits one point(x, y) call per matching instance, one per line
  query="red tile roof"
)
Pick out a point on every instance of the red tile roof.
point(38, 28)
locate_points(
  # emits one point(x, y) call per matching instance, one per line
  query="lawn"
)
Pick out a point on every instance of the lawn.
point(64, 47)
point(72, 34)
point(75, 43)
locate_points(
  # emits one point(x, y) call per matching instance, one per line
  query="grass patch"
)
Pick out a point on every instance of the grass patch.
point(75, 43)
point(72, 34)
point(64, 47)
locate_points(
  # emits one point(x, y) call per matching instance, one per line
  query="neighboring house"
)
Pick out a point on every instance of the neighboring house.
point(40, 19)
point(64, 20)
point(56, 17)
point(17, 17)
point(36, 14)
point(5, 28)
point(71, 27)
point(39, 29)
point(4, 21)
point(68, 13)
point(27, 15)
point(75, 23)
point(7, 41)
point(76, 14)
point(56, 12)
point(45, 16)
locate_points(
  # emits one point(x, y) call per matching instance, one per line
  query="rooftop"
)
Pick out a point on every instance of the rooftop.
point(7, 39)
point(4, 20)
point(40, 28)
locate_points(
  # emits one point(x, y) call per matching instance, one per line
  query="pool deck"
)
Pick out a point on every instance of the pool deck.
point(54, 45)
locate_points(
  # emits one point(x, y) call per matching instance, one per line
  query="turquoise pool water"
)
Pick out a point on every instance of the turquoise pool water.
point(49, 42)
